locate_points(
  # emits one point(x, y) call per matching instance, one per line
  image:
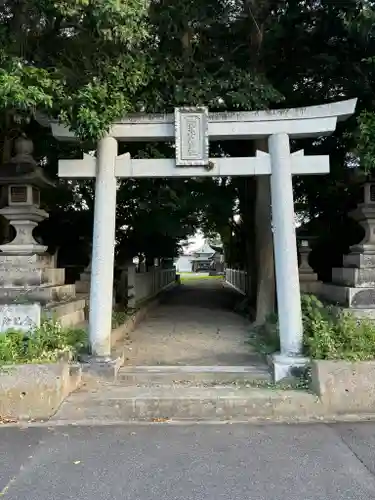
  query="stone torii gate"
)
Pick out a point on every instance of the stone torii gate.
point(192, 128)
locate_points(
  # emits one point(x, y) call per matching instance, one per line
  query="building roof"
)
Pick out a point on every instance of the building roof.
point(206, 249)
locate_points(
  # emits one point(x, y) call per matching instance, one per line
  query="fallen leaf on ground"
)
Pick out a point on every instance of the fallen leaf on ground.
point(7, 420)
point(160, 420)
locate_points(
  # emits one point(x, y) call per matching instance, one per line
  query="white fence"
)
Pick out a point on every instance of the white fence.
point(137, 287)
point(237, 279)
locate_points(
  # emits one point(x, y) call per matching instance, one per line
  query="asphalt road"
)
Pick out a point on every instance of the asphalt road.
point(190, 462)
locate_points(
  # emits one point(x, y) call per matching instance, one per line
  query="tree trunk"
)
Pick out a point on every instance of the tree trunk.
point(264, 258)
point(257, 13)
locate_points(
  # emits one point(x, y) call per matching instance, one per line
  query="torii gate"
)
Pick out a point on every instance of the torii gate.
point(192, 128)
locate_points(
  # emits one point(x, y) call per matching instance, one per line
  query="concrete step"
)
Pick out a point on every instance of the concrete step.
point(166, 375)
point(109, 403)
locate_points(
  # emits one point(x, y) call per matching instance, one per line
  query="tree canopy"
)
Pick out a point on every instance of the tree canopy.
point(80, 60)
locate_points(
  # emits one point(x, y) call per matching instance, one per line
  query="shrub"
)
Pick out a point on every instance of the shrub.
point(118, 318)
point(333, 334)
point(46, 343)
point(328, 333)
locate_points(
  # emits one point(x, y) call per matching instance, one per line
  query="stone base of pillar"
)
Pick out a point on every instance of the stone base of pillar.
point(287, 366)
point(101, 367)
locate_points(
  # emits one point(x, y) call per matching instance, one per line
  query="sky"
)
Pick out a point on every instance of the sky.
point(197, 241)
point(194, 242)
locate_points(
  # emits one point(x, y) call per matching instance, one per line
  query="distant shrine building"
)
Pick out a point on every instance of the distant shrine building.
point(208, 258)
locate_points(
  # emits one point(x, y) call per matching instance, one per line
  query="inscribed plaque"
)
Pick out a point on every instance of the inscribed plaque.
point(191, 133)
point(22, 317)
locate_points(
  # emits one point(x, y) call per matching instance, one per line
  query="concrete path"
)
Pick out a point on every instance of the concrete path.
point(192, 462)
point(195, 326)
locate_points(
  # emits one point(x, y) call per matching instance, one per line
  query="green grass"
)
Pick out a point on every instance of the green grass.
point(196, 277)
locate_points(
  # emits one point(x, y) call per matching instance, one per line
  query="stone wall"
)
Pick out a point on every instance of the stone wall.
point(136, 287)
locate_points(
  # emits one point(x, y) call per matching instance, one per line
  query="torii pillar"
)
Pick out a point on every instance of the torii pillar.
point(286, 259)
point(103, 248)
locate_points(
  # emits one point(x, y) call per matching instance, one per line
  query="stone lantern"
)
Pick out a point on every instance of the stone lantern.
point(305, 251)
point(353, 285)
point(365, 215)
point(21, 180)
point(30, 285)
point(307, 277)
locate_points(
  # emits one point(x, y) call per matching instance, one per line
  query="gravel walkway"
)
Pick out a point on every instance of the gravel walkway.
point(196, 326)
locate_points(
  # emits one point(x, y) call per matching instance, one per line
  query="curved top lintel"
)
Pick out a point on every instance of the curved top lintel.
point(223, 124)
point(340, 109)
